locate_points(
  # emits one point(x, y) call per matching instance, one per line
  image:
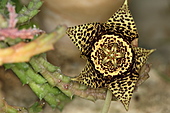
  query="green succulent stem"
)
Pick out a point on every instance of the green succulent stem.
point(39, 85)
point(5, 108)
point(63, 82)
point(26, 13)
point(107, 102)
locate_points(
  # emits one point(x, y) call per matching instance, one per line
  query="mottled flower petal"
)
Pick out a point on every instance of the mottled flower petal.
point(114, 60)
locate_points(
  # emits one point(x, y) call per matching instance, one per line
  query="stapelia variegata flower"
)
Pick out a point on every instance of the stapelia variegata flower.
point(113, 59)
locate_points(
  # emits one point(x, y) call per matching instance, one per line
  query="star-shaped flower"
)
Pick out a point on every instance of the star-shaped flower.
point(113, 60)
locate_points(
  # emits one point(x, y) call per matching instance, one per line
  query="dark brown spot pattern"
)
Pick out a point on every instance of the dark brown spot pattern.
point(112, 61)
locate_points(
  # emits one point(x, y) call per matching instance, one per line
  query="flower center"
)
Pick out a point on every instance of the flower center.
point(111, 55)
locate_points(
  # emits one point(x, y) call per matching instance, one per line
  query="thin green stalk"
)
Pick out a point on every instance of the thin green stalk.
point(107, 102)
